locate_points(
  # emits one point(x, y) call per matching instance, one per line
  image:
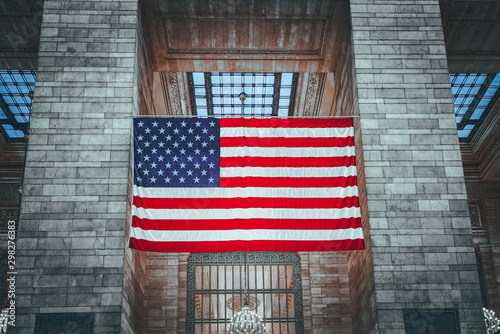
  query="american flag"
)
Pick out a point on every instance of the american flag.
point(237, 184)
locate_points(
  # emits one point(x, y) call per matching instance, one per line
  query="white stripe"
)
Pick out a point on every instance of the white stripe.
point(339, 192)
point(269, 213)
point(301, 152)
point(228, 235)
point(287, 172)
point(286, 132)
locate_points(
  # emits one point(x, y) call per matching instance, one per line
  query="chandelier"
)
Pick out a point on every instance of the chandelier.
point(492, 322)
point(246, 321)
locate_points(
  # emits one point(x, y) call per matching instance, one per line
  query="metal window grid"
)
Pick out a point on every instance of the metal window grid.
point(216, 290)
point(16, 88)
point(217, 93)
point(474, 94)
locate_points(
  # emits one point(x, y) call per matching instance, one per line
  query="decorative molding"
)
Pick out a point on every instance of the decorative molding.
point(176, 93)
point(240, 51)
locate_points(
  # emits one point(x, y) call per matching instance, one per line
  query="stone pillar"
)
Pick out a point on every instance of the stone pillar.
point(423, 255)
point(71, 237)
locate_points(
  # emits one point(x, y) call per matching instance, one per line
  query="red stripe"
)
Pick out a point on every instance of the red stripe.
point(256, 245)
point(245, 224)
point(287, 162)
point(287, 182)
point(286, 123)
point(245, 203)
point(286, 142)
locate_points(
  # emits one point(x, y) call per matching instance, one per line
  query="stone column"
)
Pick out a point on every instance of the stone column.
point(71, 237)
point(423, 255)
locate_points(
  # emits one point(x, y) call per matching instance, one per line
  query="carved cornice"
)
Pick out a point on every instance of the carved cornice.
point(242, 51)
point(176, 93)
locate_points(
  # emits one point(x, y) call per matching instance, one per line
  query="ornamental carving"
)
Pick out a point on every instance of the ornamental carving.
point(475, 215)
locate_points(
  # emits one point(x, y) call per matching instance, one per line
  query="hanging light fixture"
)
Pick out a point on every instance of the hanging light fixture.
point(246, 321)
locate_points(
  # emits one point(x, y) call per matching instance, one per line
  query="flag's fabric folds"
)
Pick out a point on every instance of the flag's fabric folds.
point(239, 184)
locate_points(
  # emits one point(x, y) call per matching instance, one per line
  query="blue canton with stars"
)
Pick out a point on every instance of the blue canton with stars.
point(176, 152)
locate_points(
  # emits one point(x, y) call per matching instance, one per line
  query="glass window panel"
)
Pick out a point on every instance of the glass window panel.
point(22, 119)
point(286, 79)
point(202, 112)
point(201, 102)
point(199, 78)
point(477, 113)
point(2, 114)
point(11, 132)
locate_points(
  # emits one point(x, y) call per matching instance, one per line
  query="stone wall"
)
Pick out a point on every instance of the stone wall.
point(72, 228)
point(419, 225)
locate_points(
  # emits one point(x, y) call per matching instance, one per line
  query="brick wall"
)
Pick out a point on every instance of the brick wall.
point(73, 214)
point(417, 205)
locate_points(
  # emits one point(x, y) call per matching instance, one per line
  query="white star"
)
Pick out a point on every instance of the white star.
point(139, 150)
point(190, 158)
point(176, 158)
point(168, 165)
point(197, 137)
point(181, 180)
point(211, 165)
point(176, 144)
point(160, 158)
point(169, 137)
point(197, 151)
point(204, 144)
point(183, 151)
point(183, 123)
point(167, 180)
point(212, 151)
point(139, 137)
point(196, 165)
point(190, 172)
point(153, 179)
point(146, 172)
point(154, 137)
point(204, 158)
point(155, 124)
point(212, 137)
point(169, 124)
point(176, 130)
point(203, 172)
point(161, 144)
point(212, 123)
point(205, 130)
point(182, 165)
point(190, 130)
point(138, 179)
point(147, 130)
point(154, 150)
point(211, 180)
point(146, 157)
point(196, 180)
point(160, 172)
point(146, 144)
point(139, 165)
point(141, 123)
point(153, 165)
point(168, 151)
point(175, 173)
point(198, 124)
point(183, 137)
point(190, 144)
point(162, 130)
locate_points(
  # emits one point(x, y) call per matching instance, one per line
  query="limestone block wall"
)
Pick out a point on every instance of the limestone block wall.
point(71, 237)
point(422, 248)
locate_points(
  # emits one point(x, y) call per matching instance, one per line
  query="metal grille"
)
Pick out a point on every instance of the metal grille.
point(216, 289)
point(268, 94)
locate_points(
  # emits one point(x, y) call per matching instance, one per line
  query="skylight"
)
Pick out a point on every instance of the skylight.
point(473, 97)
point(217, 93)
point(15, 103)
